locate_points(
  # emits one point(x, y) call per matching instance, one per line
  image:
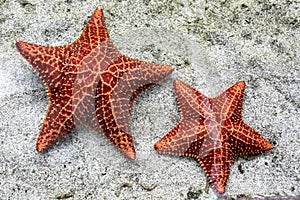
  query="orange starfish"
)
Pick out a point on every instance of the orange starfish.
point(90, 83)
point(212, 131)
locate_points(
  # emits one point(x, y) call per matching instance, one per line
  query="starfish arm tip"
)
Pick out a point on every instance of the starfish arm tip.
point(170, 67)
point(268, 146)
point(177, 82)
point(95, 29)
point(219, 188)
point(157, 146)
point(40, 147)
point(20, 45)
point(241, 84)
point(130, 155)
point(99, 10)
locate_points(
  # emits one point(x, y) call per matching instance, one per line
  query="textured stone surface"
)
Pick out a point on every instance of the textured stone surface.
point(211, 44)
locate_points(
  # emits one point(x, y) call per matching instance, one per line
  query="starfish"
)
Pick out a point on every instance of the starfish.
point(90, 83)
point(212, 131)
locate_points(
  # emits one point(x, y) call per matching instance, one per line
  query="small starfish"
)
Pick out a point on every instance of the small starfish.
point(212, 131)
point(90, 83)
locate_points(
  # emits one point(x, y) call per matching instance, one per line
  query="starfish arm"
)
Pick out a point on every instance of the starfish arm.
point(189, 100)
point(94, 41)
point(57, 123)
point(183, 140)
point(216, 165)
point(47, 61)
point(108, 124)
point(113, 109)
point(52, 63)
point(130, 84)
point(95, 31)
point(245, 140)
point(230, 102)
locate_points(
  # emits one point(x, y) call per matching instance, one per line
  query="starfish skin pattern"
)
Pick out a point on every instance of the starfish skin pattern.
point(90, 83)
point(212, 131)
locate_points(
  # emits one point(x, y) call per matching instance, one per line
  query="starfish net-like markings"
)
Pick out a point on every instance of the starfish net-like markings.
point(90, 83)
point(212, 131)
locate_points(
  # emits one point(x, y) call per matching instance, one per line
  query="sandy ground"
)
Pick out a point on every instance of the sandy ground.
point(212, 45)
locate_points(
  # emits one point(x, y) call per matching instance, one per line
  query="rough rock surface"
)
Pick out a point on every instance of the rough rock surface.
point(211, 44)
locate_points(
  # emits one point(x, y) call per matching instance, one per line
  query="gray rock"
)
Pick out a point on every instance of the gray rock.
point(211, 44)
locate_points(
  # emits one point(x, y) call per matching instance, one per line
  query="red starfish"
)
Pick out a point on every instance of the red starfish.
point(91, 83)
point(212, 131)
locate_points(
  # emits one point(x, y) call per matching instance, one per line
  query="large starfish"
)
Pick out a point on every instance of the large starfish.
point(90, 83)
point(212, 131)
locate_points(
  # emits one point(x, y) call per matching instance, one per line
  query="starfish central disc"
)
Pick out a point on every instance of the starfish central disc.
point(90, 83)
point(212, 131)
